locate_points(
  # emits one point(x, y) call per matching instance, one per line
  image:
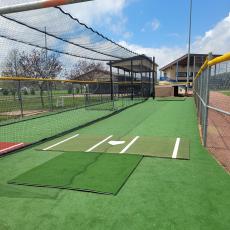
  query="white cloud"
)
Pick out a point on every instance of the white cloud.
point(174, 35)
point(215, 40)
point(96, 11)
point(103, 13)
point(163, 55)
point(152, 25)
point(155, 24)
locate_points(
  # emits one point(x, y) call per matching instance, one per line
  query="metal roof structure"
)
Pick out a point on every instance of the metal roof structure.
point(136, 64)
point(199, 60)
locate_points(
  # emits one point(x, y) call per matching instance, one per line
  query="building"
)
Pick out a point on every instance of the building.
point(176, 71)
point(138, 68)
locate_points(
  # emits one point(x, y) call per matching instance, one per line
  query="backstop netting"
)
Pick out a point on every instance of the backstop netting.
point(56, 76)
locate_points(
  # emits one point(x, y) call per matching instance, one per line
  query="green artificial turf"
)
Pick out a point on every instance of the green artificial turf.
point(95, 172)
point(161, 194)
point(40, 128)
point(170, 99)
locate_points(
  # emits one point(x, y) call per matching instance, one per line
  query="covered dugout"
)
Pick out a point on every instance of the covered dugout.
point(137, 74)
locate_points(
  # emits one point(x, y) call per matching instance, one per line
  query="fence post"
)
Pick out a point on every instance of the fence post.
point(20, 98)
point(50, 95)
point(206, 100)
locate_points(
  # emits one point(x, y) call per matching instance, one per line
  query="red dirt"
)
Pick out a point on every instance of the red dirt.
point(218, 135)
point(6, 147)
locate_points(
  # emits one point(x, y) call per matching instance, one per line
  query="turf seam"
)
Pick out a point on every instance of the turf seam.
point(98, 155)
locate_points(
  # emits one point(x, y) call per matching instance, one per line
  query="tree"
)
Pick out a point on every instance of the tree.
point(83, 67)
point(35, 64)
point(12, 69)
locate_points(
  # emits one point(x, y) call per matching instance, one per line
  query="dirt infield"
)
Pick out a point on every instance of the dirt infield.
point(218, 135)
point(17, 113)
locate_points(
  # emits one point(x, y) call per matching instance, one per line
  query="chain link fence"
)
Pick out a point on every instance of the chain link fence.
point(212, 99)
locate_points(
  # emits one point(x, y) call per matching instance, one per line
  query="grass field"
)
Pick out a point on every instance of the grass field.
point(32, 102)
point(160, 193)
point(226, 93)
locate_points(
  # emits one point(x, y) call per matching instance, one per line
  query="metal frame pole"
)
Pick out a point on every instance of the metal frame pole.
point(149, 83)
point(33, 5)
point(194, 67)
point(111, 82)
point(50, 94)
point(189, 46)
point(18, 87)
point(142, 93)
point(177, 67)
point(20, 98)
point(206, 100)
point(132, 93)
point(153, 80)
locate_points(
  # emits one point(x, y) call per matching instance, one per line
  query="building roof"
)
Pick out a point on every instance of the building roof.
point(200, 59)
point(94, 74)
point(140, 63)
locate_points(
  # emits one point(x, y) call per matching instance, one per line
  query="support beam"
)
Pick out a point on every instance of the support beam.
point(150, 90)
point(177, 67)
point(154, 78)
point(132, 86)
point(111, 81)
point(33, 5)
point(189, 47)
point(194, 68)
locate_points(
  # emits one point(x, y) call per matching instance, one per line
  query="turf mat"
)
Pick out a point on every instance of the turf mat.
point(160, 147)
point(145, 145)
point(95, 172)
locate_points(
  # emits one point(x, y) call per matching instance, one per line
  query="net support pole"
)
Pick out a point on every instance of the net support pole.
point(111, 84)
point(118, 89)
point(189, 46)
point(149, 84)
point(132, 93)
point(154, 78)
point(49, 86)
point(142, 93)
point(33, 5)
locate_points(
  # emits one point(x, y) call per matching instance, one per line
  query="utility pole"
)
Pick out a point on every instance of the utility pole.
point(189, 46)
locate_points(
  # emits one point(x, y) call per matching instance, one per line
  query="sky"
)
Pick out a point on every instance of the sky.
point(160, 27)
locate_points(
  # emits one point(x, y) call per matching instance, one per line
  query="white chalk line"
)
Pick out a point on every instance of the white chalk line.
point(101, 142)
point(176, 147)
point(129, 145)
point(50, 147)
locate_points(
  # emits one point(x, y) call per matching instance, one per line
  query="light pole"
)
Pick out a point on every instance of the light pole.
point(189, 46)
